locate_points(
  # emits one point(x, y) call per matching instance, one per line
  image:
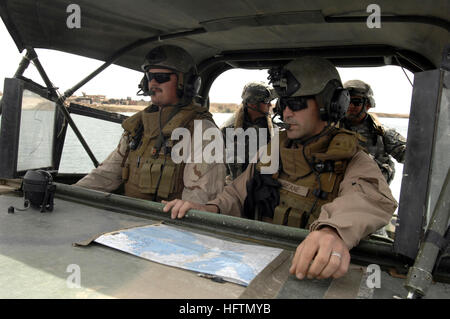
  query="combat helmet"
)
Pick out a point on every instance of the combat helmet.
point(176, 59)
point(360, 88)
point(257, 92)
point(312, 76)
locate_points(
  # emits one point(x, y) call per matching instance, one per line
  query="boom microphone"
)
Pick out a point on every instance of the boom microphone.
point(282, 125)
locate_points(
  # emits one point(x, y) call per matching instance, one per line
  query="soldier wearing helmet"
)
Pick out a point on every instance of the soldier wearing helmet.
point(142, 161)
point(324, 181)
point(253, 113)
point(380, 142)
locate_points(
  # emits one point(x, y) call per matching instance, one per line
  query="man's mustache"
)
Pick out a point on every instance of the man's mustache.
point(290, 122)
point(154, 89)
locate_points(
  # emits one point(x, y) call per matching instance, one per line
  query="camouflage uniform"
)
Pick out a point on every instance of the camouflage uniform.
point(380, 142)
point(254, 93)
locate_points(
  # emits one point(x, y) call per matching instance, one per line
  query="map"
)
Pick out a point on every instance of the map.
point(168, 245)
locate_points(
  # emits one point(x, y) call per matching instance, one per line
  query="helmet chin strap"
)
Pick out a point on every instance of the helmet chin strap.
point(257, 110)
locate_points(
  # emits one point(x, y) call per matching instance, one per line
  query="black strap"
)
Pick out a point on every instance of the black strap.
point(160, 142)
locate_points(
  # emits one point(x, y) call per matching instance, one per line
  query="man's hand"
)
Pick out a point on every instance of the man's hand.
point(180, 207)
point(321, 255)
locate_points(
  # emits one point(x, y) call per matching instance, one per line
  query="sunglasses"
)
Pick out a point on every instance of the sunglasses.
point(356, 101)
point(159, 76)
point(294, 103)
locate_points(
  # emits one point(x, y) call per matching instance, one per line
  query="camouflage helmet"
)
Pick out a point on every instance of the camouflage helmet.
point(358, 87)
point(169, 57)
point(305, 76)
point(257, 92)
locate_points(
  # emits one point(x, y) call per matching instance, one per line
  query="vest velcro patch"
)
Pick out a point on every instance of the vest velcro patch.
point(296, 189)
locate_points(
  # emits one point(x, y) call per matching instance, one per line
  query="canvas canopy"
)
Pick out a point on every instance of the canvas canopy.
point(243, 33)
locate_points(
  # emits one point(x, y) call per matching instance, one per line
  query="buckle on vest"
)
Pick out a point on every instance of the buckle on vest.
point(324, 167)
point(339, 167)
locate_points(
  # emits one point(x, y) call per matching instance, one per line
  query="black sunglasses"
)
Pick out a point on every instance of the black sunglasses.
point(356, 101)
point(159, 76)
point(294, 103)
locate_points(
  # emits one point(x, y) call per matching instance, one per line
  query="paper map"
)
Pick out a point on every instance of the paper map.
point(168, 245)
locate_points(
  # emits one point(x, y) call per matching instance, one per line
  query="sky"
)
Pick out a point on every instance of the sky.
point(392, 90)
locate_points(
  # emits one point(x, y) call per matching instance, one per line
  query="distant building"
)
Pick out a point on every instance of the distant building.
point(102, 100)
point(83, 100)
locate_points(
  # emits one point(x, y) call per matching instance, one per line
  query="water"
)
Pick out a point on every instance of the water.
point(103, 137)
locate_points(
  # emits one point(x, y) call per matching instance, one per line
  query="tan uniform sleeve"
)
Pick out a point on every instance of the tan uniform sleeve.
point(204, 181)
point(107, 177)
point(231, 200)
point(364, 203)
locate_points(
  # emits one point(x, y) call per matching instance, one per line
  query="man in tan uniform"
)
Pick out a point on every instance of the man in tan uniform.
point(142, 160)
point(325, 181)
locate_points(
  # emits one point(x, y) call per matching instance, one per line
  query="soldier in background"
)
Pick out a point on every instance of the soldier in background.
point(253, 113)
point(380, 142)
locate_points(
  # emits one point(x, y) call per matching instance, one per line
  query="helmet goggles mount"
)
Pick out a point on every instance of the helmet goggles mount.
point(283, 81)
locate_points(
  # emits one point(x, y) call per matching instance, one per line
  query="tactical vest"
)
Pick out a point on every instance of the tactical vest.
point(150, 173)
point(308, 183)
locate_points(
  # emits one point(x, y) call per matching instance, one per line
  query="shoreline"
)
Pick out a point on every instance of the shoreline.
point(214, 108)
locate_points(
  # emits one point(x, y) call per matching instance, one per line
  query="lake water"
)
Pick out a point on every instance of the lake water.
point(102, 137)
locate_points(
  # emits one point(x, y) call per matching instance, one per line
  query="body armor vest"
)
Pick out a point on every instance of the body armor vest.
point(310, 175)
point(148, 171)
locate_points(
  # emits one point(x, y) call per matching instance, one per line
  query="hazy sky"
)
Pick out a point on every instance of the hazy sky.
point(392, 90)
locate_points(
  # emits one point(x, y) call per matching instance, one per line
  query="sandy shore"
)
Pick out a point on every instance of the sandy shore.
point(214, 108)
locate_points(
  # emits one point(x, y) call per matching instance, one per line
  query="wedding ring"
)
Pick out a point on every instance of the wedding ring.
point(338, 255)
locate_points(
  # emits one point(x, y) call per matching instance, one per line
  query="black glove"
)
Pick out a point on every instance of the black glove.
point(262, 196)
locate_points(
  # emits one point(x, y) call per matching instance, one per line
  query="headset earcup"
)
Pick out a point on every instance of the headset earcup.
point(192, 85)
point(339, 104)
point(143, 85)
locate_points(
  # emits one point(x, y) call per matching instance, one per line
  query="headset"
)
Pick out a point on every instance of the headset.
point(333, 100)
point(336, 109)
